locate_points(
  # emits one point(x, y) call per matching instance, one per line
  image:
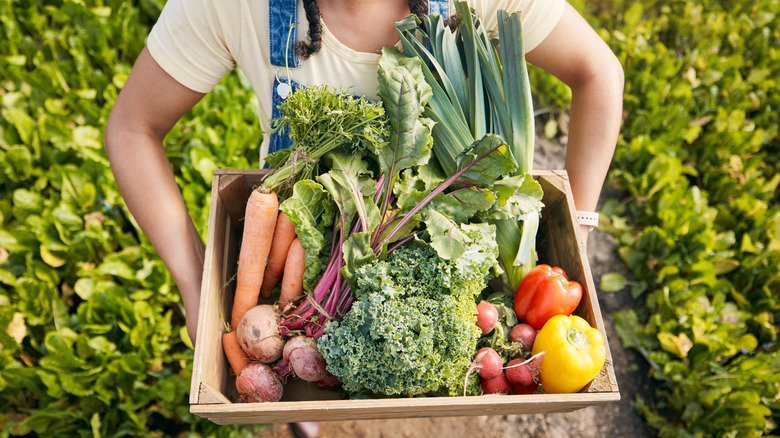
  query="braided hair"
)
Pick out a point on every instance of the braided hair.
point(307, 48)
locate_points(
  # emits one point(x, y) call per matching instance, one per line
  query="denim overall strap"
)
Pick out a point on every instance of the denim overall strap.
point(282, 87)
point(282, 21)
point(441, 7)
point(282, 33)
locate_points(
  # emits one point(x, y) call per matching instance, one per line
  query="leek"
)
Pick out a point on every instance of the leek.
point(474, 93)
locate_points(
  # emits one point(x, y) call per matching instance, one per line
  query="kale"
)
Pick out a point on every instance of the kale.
point(412, 329)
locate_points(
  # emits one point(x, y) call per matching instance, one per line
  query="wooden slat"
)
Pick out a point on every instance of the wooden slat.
point(209, 339)
point(419, 407)
point(564, 246)
point(233, 193)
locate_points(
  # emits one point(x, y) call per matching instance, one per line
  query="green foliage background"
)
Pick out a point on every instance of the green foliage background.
point(93, 339)
point(699, 227)
point(92, 334)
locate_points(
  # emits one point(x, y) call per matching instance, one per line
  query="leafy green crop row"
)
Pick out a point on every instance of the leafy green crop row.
point(92, 340)
point(700, 226)
point(92, 330)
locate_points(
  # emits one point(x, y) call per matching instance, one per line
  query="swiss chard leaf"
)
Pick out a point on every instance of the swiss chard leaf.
point(404, 93)
point(492, 160)
point(446, 236)
point(350, 185)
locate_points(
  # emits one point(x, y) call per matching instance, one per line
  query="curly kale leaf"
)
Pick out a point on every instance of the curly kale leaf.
point(405, 346)
point(413, 328)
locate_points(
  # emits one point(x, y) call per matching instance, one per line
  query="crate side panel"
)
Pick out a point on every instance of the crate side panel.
point(561, 244)
point(233, 193)
point(206, 363)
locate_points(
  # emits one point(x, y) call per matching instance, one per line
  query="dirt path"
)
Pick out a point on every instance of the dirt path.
point(617, 419)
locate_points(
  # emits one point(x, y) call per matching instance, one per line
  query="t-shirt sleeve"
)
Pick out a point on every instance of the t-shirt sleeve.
point(191, 41)
point(538, 17)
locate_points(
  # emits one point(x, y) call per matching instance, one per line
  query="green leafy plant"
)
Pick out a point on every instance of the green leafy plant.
point(93, 340)
point(700, 227)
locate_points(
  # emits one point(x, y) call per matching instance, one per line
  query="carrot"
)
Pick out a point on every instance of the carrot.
point(292, 281)
point(259, 223)
point(284, 234)
point(235, 355)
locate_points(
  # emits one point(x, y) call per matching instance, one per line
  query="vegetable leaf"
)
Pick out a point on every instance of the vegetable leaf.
point(404, 94)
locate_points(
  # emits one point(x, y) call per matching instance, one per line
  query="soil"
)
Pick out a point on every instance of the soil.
point(616, 419)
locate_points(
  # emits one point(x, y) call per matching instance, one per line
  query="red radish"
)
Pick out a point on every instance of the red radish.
point(496, 385)
point(258, 383)
point(488, 362)
point(524, 389)
point(520, 374)
point(329, 382)
point(524, 372)
point(487, 316)
point(305, 359)
point(258, 333)
point(524, 334)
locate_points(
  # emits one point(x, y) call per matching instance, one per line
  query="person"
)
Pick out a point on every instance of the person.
point(336, 42)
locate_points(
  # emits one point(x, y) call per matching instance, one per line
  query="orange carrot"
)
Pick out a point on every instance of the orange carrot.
point(235, 355)
point(259, 222)
point(292, 281)
point(284, 234)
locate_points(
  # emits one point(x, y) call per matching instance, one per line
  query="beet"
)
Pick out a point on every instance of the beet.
point(258, 383)
point(258, 333)
point(305, 359)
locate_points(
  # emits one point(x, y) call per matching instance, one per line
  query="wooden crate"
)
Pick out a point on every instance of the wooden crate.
point(213, 386)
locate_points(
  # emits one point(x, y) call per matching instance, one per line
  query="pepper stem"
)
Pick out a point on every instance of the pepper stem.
point(578, 339)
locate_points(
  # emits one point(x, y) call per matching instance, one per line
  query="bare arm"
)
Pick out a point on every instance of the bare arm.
point(575, 54)
point(148, 106)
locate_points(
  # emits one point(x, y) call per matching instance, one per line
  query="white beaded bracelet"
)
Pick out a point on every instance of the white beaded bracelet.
point(588, 218)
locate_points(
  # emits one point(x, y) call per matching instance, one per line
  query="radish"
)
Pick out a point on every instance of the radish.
point(304, 358)
point(488, 362)
point(487, 316)
point(496, 385)
point(520, 374)
point(258, 383)
point(258, 333)
point(524, 334)
point(524, 389)
point(524, 372)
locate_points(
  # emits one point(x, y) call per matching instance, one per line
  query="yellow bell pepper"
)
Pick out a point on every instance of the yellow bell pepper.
point(574, 353)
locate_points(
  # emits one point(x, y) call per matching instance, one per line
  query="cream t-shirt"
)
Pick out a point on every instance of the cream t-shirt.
point(197, 42)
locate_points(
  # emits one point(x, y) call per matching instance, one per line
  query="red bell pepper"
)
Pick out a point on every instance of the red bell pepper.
point(545, 292)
